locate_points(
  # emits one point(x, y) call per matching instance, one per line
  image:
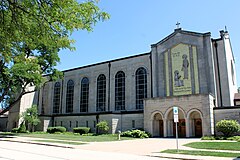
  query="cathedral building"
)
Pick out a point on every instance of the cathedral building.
point(188, 70)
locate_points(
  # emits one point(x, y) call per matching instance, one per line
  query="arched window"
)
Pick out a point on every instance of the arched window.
point(84, 95)
point(120, 91)
point(141, 87)
point(101, 93)
point(69, 96)
point(56, 97)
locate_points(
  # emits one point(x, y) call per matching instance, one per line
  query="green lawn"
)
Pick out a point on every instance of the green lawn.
point(202, 153)
point(235, 146)
point(6, 134)
point(75, 137)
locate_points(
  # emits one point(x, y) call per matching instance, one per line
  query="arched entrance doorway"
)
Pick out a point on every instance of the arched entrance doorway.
point(171, 128)
point(195, 124)
point(157, 125)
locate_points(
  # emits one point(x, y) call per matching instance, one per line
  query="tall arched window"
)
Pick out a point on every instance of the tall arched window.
point(101, 93)
point(120, 91)
point(69, 96)
point(84, 95)
point(141, 87)
point(56, 97)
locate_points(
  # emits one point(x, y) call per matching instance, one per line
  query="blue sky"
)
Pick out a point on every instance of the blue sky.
point(136, 24)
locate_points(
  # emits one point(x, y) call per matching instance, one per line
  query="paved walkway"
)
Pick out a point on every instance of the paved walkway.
point(139, 146)
point(145, 147)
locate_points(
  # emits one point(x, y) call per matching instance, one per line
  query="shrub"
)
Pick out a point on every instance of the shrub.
point(220, 138)
point(15, 130)
point(208, 138)
point(56, 129)
point(149, 134)
point(81, 130)
point(237, 138)
point(30, 117)
point(103, 127)
point(234, 138)
point(228, 127)
point(22, 128)
point(135, 133)
point(126, 134)
point(139, 134)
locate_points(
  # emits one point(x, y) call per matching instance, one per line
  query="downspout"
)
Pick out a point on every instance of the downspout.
point(151, 74)
point(109, 71)
point(52, 118)
point(97, 120)
point(61, 108)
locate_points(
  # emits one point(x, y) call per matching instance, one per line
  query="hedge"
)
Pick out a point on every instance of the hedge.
point(228, 127)
point(21, 129)
point(15, 130)
point(136, 134)
point(81, 130)
point(56, 129)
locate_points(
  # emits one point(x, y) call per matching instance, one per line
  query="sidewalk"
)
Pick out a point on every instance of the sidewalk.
point(144, 147)
point(30, 140)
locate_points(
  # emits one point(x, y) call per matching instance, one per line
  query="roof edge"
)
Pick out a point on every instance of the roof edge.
point(179, 30)
point(110, 61)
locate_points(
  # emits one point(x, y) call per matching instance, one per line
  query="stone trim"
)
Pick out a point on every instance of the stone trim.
point(183, 32)
point(170, 73)
point(192, 68)
point(226, 107)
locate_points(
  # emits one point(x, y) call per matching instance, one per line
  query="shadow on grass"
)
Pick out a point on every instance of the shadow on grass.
point(7, 135)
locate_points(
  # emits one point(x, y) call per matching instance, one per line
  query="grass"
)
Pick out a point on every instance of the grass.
point(233, 138)
point(61, 142)
point(202, 153)
point(75, 137)
point(7, 133)
point(235, 146)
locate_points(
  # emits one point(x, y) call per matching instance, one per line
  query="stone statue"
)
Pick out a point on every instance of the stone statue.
point(185, 66)
point(177, 81)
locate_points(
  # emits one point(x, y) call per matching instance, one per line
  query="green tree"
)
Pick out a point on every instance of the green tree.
point(30, 117)
point(32, 32)
point(102, 127)
point(228, 127)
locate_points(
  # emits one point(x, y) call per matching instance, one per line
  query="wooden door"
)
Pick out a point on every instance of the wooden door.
point(198, 127)
point(181, 128)
point(160, 128)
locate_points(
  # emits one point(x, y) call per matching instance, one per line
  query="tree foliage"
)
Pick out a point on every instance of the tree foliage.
point(32, 32)
point(30, 116)
point(228, 127)
point(103, 127)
